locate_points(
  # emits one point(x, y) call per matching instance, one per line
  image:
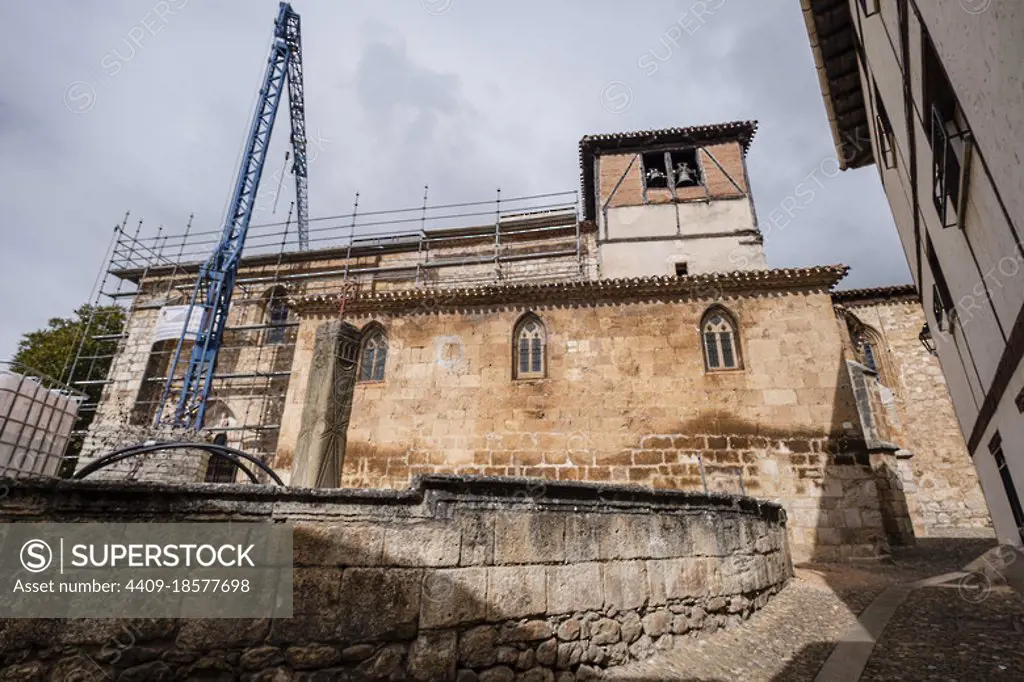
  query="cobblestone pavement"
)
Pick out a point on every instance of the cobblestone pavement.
point(934, 635)
point(937, 636)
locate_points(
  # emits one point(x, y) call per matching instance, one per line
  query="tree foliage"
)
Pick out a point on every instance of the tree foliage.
point(52, 351)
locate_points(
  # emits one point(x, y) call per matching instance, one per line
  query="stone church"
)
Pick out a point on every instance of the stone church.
point(640, 338)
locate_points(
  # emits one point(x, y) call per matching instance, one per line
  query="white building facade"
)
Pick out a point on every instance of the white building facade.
point(932, 93)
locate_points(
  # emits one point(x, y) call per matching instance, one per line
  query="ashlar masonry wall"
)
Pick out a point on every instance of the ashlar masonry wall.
point(493, 577)
point(627, 398)
point(939, 479)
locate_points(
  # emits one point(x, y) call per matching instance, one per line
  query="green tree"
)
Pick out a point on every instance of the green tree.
point(52, 351)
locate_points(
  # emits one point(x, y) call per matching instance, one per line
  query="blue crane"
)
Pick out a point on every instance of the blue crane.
point(211, 297)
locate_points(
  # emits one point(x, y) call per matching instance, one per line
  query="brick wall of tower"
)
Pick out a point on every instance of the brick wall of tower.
point(620, 178)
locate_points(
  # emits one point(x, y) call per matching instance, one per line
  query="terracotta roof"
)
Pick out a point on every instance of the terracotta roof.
point(592, 145)
point(834, 44)
point(710, 285)
point(899, 291)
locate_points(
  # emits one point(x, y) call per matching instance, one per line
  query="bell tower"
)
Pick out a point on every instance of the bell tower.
point(672, 202)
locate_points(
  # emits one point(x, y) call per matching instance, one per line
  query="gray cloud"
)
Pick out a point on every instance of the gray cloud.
point(485, 95)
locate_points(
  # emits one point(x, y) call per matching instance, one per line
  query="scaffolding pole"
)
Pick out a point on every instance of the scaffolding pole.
point(401, 246)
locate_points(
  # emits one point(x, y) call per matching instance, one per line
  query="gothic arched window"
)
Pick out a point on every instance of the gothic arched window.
point(530, 346)
point(373, 355)
point(872, 353)
point(720, 340)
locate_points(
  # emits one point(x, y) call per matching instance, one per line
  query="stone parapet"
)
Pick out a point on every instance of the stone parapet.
point(450, 578)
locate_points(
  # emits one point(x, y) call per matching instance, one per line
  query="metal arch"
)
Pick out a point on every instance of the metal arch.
point(222, 451)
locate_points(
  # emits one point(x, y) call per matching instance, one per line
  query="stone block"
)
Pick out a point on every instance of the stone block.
point(582, 533)
point(728, 535)
point(528, 631)
point(657, 623)
point(341, 544)
point(642, 648)
point(851, 518)
point(304, 628)
point(547, 652)
point(477, 540)
point(203, 634)
point(625, 584)
point(154, 671)
point(312, 656)
point(379, 602)
point(260, 657)
point(618, 653)
point(422, 544)
point(624, 536)
point(656, 577)
point(704, 536)
point(498, 674)
point(452, 596)
point(477, 647)
point(525, 660)
point(385, 664)
point(433, 656)
point(829, 536)
point(670, 536)
point(751, 528)
point(739, 574)
point(357, 653)
point(315, 588)
point(574, 587)
point(569, 630)
point(760, 574)
point(569, 654)
point(524, 538)
point(515, 592)
point(675, 579)
point(26, 633)
point(632, 627)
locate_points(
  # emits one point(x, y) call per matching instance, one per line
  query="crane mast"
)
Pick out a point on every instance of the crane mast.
point(211, 297)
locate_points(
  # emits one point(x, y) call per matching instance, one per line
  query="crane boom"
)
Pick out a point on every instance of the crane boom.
point(297, 104)
point(211, 297)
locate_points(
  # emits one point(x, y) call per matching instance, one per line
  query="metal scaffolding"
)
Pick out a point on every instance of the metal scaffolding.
point(443, 246)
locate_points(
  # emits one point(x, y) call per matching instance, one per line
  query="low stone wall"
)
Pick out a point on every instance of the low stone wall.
point(455, 578)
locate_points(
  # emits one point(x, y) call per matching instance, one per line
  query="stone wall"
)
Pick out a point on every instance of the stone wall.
point(616, 374)
point(627, 399)
point(178, 466)
point(937, 476)
point(474, 579)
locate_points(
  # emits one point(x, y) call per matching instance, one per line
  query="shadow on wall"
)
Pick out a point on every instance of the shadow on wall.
point(853, 506)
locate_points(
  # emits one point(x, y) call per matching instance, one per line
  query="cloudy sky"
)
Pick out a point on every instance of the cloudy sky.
point(143, 106)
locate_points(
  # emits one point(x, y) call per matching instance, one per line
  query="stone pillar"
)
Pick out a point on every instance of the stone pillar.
point(320, 448)
point(295, 398)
